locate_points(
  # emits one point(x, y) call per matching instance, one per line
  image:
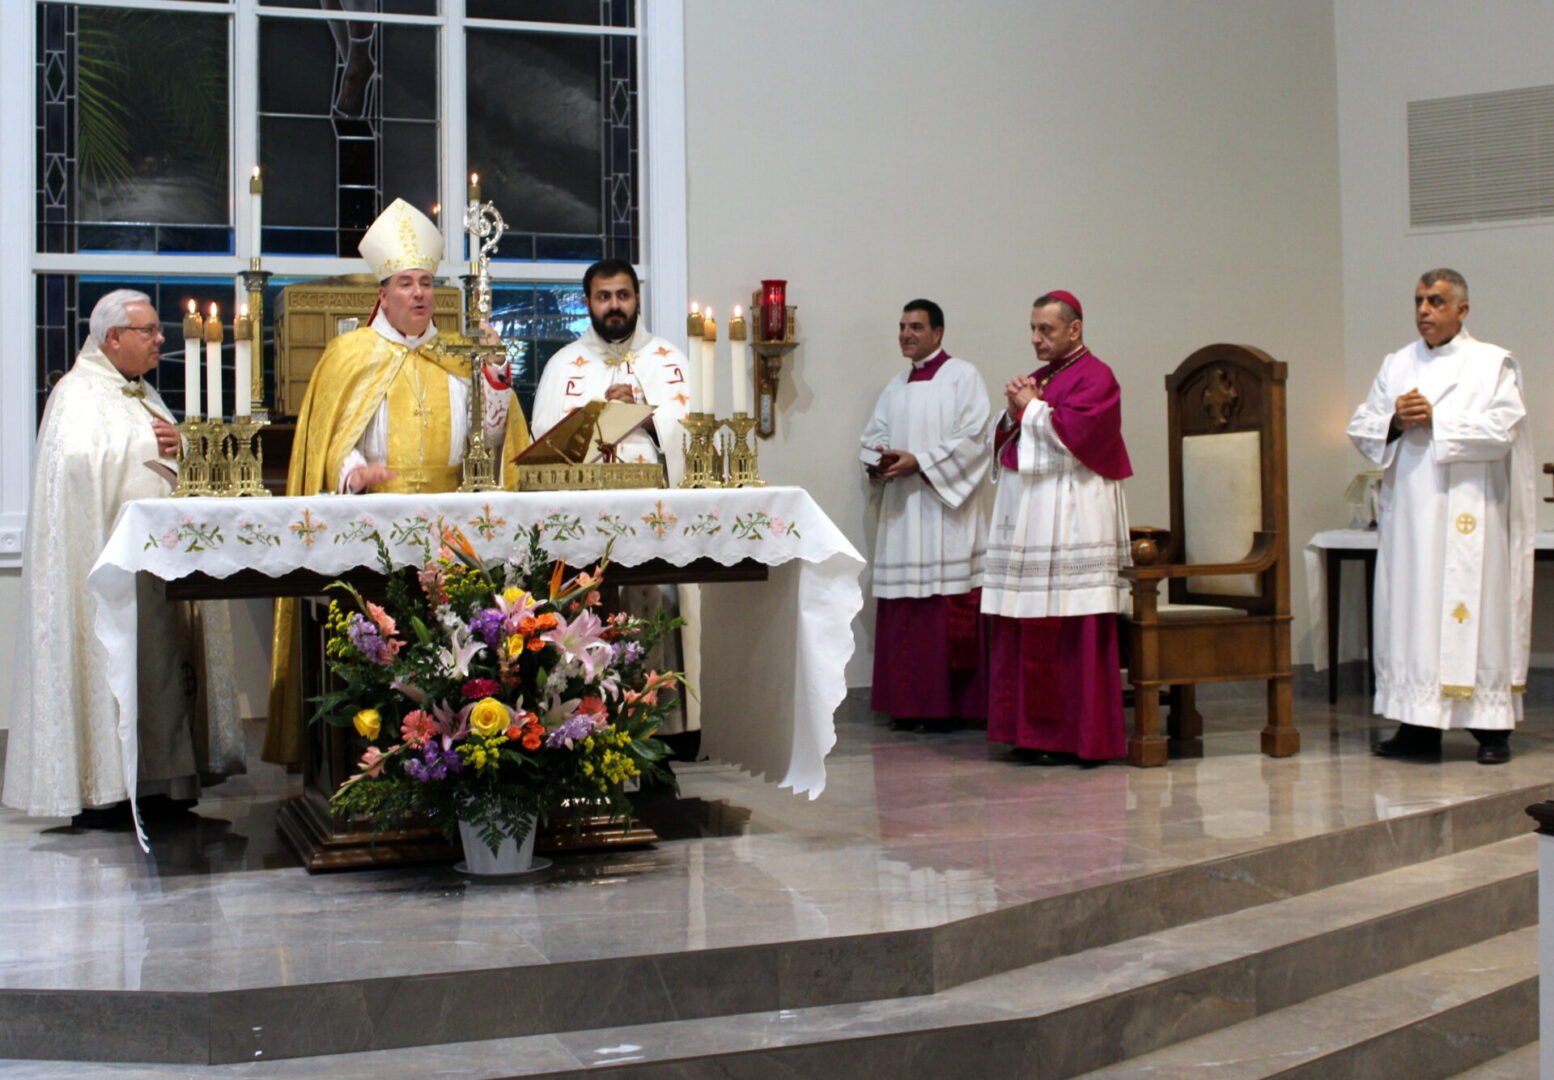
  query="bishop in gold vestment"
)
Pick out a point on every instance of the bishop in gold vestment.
point(386, 412)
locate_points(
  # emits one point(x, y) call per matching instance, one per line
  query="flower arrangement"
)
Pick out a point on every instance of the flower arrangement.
point(493, 694)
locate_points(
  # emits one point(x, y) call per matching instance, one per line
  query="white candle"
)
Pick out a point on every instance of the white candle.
point(213, 405)
point(739, 362)
point(470, 220)
point(242, 358)
point(709, 355)
point(256, 189)
point(193, 330)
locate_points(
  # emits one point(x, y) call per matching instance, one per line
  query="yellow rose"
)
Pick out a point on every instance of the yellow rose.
point(515, 645)
point(488, 717)
point(512, 594)
point(367, 723)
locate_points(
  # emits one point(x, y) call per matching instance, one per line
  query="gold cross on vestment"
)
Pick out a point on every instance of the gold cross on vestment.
point(1460, 613)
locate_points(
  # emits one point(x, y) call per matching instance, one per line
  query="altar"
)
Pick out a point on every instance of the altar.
point(773, 653)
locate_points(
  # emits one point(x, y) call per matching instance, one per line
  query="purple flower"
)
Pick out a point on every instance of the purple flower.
point(627, 652)
point(365, 636)
point(488, 626)
point(570, 731)
point(435, 763)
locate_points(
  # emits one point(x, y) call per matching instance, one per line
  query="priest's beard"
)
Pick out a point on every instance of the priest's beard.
point(616, 326)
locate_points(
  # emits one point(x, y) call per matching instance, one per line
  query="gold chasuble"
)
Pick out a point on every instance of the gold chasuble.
point(357, 372)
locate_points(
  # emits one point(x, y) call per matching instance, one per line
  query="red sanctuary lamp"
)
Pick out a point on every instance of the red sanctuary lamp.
point(774, 310)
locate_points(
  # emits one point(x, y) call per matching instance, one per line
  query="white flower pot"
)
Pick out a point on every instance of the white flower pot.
point(512, 857)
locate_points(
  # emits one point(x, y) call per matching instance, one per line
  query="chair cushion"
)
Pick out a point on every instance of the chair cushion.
point(1222, 506)
point(1168, 612)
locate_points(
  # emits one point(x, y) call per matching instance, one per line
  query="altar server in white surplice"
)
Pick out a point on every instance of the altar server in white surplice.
point(618, 359)
point(926, 448)
point(1453, 605)
point(107, 438)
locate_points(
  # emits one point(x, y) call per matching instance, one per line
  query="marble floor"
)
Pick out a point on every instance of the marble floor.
point(913, 831)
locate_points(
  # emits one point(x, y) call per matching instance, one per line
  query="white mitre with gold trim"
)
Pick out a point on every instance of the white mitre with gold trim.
point(401, 239)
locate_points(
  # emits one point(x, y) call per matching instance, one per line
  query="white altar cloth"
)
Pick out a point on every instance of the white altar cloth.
point(774, 653)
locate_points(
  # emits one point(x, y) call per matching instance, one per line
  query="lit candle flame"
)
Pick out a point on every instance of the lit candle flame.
point(708, 314)
point(213, 311)
point(192, 309)
point(243, 311)
point(474, 178)
point(436, 209)
point(256, 172)
point(695, 307)
point(737, 310)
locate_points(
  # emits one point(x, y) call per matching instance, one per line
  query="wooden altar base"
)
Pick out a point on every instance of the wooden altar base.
point(323, 840)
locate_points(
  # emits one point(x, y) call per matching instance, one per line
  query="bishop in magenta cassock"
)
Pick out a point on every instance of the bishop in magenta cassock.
point(1051, 589)
point(926, 447)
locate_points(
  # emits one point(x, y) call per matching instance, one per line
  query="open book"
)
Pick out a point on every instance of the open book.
point(587, 435)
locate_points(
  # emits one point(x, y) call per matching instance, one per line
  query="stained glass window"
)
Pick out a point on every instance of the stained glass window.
point(347, 124)
point(583, 12)
point(551, 131)
point(536, 320)
point(133, 131)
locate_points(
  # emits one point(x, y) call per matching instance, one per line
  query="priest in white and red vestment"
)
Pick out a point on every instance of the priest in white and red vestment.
point(1453, 607)
point(1052, 588)
point(926, 446)
point(618, 359)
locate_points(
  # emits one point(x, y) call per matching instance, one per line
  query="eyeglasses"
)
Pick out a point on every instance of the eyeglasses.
point(150, 330)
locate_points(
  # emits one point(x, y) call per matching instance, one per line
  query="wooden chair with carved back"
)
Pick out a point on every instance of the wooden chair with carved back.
point(1225, 561)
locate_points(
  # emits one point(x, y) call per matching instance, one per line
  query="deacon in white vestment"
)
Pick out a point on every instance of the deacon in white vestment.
point(617, 359)
point(926, 447)
point(107, 438)
point(1446, 419)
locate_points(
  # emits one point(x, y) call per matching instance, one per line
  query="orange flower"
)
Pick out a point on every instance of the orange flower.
point(513, 732)
point(556, 574)
point(536, 645)
point(455, 539)
point(532, 740)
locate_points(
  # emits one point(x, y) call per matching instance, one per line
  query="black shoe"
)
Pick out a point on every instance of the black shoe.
point(116, 816)
point(1411, 741)
point(935, 727)
point(1497, 752)
point(1042, 757)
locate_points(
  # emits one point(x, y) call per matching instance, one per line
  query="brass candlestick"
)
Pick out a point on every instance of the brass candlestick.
point(254, 281)
point(702, 469)
point(193, 466)
point(248, 457)
point(483, 223)
point(218, 457)
point(741, 453)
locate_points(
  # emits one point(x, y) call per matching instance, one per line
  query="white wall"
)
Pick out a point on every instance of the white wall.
point(1390, 53)
point(1173, 163)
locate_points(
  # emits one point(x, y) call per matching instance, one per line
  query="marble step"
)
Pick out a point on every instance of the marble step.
point(308, 1018)
point(1517, 1065)
point(1473, 1008)
point(1048, 1021)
